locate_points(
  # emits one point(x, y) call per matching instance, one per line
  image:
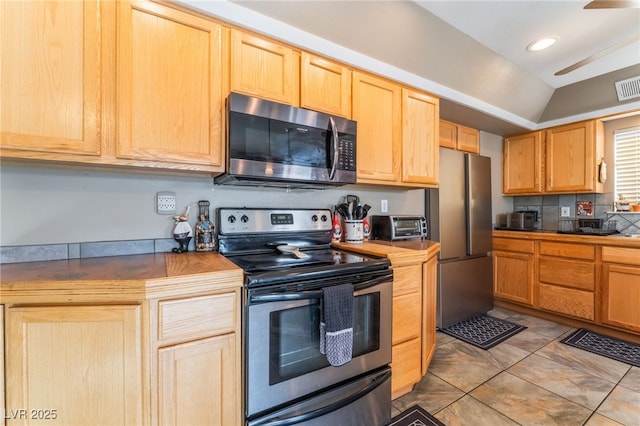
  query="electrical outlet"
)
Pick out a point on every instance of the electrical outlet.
point(166, 202)
point(565, 212)
point(384, 206)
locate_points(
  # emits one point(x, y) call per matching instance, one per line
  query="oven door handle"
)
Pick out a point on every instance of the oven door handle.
point(312, 294)
point(304, 417)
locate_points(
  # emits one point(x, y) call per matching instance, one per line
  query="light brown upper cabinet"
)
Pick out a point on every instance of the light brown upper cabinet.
point(574, 153)
point(263, 68)
point(51, 80)
point(420, 154)
point(325, 85)
point(377, 105)
point(459, 137)
point(522, 164)
point(169, 86)
point(562, 159)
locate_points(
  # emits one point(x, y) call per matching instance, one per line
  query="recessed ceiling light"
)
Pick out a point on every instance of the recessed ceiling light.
point(543, 43)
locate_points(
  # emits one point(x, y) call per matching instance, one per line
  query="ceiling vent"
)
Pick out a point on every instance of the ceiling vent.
point(628, 89)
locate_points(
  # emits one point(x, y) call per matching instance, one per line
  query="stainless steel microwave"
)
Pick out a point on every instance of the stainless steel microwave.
point(392, 228)
point(273, 144)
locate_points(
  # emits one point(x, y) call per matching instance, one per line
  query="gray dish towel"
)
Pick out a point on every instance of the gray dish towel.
point(336, 324)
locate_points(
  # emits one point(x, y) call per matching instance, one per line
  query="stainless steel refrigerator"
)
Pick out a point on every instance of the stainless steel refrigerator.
point(459, 217)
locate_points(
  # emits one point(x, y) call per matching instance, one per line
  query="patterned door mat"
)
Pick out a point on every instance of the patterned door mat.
point(613, 348)
point(415, 416)
point(483, 331)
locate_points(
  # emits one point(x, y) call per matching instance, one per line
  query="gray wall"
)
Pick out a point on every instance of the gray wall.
point(47, 205)
point(52, 205)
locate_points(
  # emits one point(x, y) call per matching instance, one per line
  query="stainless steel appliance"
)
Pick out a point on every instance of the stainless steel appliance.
point(288, 261)
point(272, 144)
point(525, 221)
point(459, 217)
point(392, 228)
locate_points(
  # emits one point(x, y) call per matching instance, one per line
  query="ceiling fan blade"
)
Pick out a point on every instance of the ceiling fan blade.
point(612, 4)
point(597, 55)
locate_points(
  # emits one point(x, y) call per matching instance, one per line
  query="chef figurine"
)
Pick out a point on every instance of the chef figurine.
point(182, 232)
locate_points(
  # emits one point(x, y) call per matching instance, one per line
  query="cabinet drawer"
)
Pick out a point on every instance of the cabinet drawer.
point(508, 244)
point(197, 316)
point(567, 273)
point(630, 256)
point(407, 317)
point(574, 251)
point(577, 303)
point(405, 366)
point(407, 279)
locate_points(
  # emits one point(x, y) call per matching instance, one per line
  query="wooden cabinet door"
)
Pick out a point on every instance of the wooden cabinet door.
point(263, 68)
point(420, 151)
point(468, 140)
point(620, 293)
point(514, 269)
point(169, 87)
point(325, 85)
point(522, 164)
point(51, 76)
point(513, 276)
point(571, 163)
point(448, 134)
point(199, 383)
point(82, 361)
point(429, 303)
point(377, 109)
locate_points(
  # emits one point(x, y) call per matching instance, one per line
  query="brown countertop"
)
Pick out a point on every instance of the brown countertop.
point(117, 278)
point(406, 251)
point(618, 240)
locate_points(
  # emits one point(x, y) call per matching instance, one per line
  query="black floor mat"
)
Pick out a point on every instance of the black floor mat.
point(415, 416)
point(610, 347)
point(483, 331)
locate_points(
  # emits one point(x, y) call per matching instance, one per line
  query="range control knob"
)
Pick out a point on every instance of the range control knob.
point(324, 218)
point(314, 218)
point(244, 218)
point(231, 219)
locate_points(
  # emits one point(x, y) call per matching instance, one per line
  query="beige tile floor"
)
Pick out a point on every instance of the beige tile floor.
point(530, 379)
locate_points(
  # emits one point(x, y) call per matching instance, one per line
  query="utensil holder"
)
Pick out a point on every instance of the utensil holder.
point(353, 231)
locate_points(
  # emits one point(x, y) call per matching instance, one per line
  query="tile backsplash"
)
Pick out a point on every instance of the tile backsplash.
point(549, 208)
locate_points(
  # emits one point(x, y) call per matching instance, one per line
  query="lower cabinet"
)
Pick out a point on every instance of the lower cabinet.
point(567, 279)
point(513, 270)
point(198, 359)
point(583, 283)
point(429, 299)
point(79, 365)
point(407, 328)
point(195, 381)
point(171, 360)
point(621, 287)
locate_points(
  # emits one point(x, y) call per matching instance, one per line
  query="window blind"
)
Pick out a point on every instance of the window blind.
point(627, 168)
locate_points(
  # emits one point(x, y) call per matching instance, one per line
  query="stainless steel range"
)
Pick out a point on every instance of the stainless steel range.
point(291, 275)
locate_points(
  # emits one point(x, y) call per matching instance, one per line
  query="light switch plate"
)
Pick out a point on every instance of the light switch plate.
point(565, 212)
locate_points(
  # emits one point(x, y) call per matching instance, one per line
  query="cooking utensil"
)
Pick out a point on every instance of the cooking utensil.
point(365, 210)
point(358, 212)
point(286, 249)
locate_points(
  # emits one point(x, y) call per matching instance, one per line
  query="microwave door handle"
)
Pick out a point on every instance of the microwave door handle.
point(334, 133)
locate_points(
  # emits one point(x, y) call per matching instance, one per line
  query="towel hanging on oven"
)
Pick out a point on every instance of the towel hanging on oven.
point(336, 324)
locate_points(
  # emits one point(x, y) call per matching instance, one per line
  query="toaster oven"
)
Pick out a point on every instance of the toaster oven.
point(392, 228)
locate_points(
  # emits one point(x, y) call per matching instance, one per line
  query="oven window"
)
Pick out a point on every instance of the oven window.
point(294, 337)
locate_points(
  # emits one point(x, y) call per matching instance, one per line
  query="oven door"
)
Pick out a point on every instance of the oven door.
point(283, 359)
